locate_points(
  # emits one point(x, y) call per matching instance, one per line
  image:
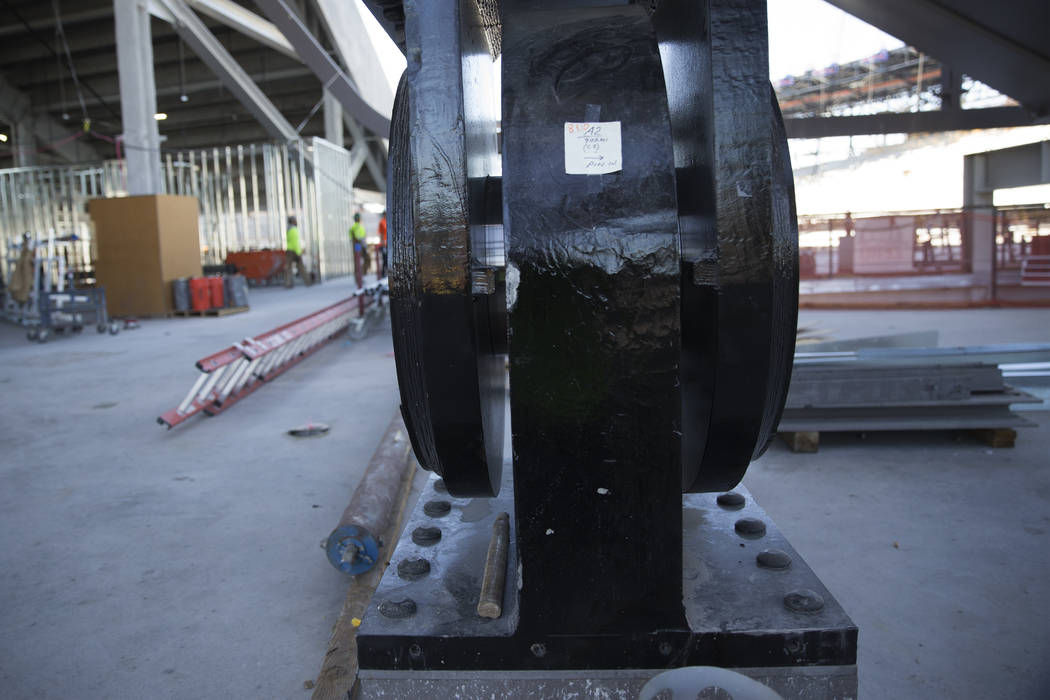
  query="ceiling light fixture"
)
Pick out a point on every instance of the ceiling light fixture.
point(183, 97)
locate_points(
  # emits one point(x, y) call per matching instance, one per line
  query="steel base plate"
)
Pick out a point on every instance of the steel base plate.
point(742, 614)
point(802, 683)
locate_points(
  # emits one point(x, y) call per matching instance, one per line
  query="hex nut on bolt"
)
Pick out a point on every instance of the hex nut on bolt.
point(804, 600)
point(731, 500)
point(426, 536)
point(398, 608)
point(413, 569)
point(437, 509)
point(750, 527)
point(538, 650)
point(773, 559)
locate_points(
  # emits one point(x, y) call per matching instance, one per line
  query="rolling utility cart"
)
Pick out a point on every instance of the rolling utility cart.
point(72, 310)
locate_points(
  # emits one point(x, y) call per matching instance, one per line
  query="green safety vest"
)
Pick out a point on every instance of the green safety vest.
point(357, 232)
point(293, 243)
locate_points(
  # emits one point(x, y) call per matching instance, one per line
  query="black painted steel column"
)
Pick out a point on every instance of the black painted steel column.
point(593, 291)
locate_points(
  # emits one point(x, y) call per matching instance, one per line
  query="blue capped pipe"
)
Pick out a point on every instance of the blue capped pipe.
point(353, 546)
point(352, 549)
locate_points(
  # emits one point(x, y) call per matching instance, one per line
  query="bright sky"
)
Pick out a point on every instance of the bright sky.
point(390, 57)
point(805, 34)
point(811, 34)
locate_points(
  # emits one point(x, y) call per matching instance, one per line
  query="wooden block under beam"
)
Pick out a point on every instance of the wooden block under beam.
point(806, 441)
point(996, 437)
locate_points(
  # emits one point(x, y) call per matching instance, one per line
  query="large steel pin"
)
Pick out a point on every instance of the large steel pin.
point(491, 602)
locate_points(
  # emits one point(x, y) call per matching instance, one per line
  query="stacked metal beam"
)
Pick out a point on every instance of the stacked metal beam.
point(908, 389)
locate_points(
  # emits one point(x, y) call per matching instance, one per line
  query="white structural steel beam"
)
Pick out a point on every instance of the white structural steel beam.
point(246, 22)
point(361, 153)
point(358, 52)
point(267, 33)
point(358, 154)
point(16, 109)
point(194, 32)
point(138, 96)
point(324, 66)
point(237, 18)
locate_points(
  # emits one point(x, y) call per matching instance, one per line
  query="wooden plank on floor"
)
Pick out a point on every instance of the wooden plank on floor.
point(996, 437)
point(339, 667)
point(802, 441)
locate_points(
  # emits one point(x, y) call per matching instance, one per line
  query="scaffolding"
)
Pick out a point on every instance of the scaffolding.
point(901, 79)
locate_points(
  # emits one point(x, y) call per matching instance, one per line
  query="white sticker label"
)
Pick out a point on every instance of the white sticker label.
point(592, 148)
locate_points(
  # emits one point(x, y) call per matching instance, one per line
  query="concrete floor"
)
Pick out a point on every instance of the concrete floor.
point(937, 546)
point(140, 563)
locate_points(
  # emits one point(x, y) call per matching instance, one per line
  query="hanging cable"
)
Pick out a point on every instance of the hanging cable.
point(183, 97)
point(309, 116)
point(61, 85)
point(61, 34)
point(48, 147)
point(41, 40)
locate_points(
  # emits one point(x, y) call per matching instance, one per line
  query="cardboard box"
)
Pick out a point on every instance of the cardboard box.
point(143, 243)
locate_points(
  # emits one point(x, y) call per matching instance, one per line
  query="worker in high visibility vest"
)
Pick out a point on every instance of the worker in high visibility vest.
point(293, 254)
point(357, 236)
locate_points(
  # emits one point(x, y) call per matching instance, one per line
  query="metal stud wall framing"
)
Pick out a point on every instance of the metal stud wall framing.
point(245, 195)
point(333, 172)
point(40, 199)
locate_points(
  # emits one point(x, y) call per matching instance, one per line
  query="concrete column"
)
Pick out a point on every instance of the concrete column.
point(24, 145)
point(333, 119)
point(979, 218)
point(138, 96)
